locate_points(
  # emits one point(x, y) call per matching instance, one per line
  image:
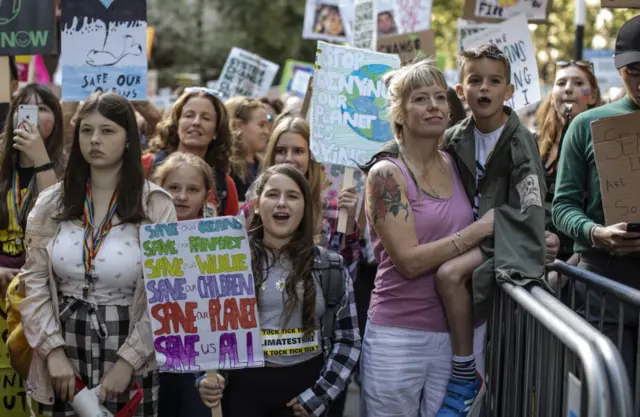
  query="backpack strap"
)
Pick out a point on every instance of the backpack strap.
point(329, 266)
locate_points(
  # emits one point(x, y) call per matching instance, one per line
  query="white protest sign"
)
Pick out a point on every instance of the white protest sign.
point(387, 21)
point(326, 20)
point(513, 38)
point(300, 82)
point(201, 295)
point(467, 28)
point(534, 10)
point(364, 25)
point(246, 74)
point(349, 120)
point(413, 15)
point(604, 68)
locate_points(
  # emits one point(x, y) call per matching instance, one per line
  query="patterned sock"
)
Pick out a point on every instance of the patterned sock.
point(464, 367)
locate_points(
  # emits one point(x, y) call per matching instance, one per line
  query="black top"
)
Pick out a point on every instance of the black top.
point(243, 186)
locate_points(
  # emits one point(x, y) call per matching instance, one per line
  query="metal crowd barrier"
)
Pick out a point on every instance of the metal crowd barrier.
point(613, 294)
point(531, 352)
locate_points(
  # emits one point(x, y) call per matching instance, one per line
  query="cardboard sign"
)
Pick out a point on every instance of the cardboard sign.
point(291, 68)
point(201, 295)
point(536, 11)
point(413, 15)
point(332, 178)
point(409, 46)
point(326, 20)
point(514, 39)
point(28, 27)
point(616, 144)
point(364, 25)
point(104, 48)
point(620, 4)
point(466, 29)
point(349, 118)
point(246, 74)
point(151, 34)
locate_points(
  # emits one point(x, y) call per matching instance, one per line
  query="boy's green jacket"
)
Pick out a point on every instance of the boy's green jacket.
point(514, 186)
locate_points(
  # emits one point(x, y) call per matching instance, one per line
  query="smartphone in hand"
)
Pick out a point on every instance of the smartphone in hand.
point(27, 113)
point(633, 227)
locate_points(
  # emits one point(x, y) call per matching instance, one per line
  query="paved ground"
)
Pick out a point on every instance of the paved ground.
point(352, 409)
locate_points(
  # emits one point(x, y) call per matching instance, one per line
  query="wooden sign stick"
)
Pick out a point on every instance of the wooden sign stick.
point(347, 182)
point(307, 99)
point(215, 411)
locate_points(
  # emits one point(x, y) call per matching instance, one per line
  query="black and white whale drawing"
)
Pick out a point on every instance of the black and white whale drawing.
point(105, 58)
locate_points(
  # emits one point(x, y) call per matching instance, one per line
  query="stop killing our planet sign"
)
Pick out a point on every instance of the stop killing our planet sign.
point(349, 104)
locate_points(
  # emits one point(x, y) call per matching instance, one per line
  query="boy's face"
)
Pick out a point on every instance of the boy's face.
point(485, 87)
point(631, 77)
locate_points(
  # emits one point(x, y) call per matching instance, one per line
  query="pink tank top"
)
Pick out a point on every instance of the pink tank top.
point(415, 304)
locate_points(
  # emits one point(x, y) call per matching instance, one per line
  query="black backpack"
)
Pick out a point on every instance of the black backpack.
point(222, 191)
point(328, 267)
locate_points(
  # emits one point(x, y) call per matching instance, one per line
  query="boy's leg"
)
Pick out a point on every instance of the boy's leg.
point(451, 282)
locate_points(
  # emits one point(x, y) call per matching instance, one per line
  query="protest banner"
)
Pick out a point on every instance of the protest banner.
point(246, 74)
point(620, 4)
point(32, 69)
point(325, 20)
point(513, 38)
point(364, 24)
point(413, 15)
point(13, 395)
point(604, 68)
point(104, 48)
point(332, 179)
point(536, 11)
point(616, 145)
point(28, 27)
point(201, 295)
point(409, 46)
point(4, 334)
point(291, 68)
point(466, 29)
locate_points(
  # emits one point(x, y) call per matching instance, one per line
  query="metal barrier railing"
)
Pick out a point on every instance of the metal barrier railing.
point(530, 353)
point(610, 291)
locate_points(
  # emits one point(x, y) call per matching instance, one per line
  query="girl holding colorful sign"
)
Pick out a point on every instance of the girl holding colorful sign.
point(85, 311)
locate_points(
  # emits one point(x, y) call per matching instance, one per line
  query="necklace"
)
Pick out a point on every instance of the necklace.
point(423, 174)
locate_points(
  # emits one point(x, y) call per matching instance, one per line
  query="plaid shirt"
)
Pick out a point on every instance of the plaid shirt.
point(340, 359)
point(331, 238)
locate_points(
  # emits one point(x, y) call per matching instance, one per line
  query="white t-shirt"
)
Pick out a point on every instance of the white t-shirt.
point(485, 142)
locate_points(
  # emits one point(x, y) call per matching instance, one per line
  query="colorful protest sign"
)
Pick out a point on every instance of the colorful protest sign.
point(536, 11)
point(13, 396)
point(291, 67)
point(104, 48)
point(620, 4)
point(349, 104)
point(364, 24)
point(325, 20)
point(28, 27)
point(201, 295)
point(466, 29)
point(332, 177)
point(246, 74)
point(409, 46)
point(413, 15)
point(513, 38)
point(616, 145)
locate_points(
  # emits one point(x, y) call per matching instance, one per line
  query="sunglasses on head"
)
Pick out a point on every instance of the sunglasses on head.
point(205, 90)
point(578, 62)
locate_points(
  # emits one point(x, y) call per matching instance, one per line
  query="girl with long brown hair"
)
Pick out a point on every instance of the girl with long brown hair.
point(574, 91)
point(289, 144)
point(304, 371)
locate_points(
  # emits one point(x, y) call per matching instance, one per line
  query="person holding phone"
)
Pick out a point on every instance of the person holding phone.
point(610, 250)
point(32, 160)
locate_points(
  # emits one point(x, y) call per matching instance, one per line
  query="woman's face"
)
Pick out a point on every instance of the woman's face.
point(46, 118)
point(293, 149)
point(426, 112)
point(572, 93)
point(187, 187)
point(102, 141)
point(197, 124)
point(281, 207)
point(333, 23)
point(255, 132)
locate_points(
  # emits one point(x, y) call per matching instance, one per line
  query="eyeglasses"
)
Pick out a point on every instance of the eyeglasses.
point(578, 62)
point(205, 90)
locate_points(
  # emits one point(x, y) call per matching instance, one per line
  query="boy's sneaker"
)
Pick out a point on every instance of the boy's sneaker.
point(462, 398)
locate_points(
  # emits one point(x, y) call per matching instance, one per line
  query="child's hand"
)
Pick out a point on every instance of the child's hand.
point(553, 246)
point(211, 391)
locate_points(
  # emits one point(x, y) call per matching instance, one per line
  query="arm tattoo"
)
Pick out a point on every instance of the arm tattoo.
point(385, 196)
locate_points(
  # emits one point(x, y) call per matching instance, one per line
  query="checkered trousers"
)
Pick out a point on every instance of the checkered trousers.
point(93, 335)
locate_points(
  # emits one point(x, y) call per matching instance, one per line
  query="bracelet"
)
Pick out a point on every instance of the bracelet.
point(455, 244)
point(463, 241)
point(43, 167)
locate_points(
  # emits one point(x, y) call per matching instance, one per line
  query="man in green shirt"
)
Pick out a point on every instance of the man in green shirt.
point(608, 250)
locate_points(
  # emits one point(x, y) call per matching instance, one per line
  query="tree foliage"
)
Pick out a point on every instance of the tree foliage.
point(273, 30)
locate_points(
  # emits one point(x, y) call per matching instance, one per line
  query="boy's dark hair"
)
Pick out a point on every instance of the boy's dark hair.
point(13, 68)
point(488, 51)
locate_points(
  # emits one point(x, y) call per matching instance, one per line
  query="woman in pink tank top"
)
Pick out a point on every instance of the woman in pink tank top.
point(419, 218)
